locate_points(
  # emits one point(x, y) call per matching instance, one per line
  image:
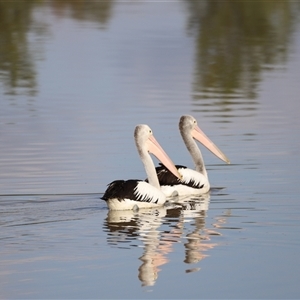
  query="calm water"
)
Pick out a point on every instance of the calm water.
point(75, 79)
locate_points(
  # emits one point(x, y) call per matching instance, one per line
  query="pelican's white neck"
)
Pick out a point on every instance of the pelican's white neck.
point(150, 169)
point(147, 162)
point(194, 150)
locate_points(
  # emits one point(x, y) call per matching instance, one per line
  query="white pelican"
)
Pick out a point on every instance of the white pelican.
point(193, 182)
point(134, 194)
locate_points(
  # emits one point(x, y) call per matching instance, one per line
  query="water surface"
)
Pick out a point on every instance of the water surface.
point(76, 78)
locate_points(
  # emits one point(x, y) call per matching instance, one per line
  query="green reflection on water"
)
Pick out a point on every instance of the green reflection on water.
point(82, 10)
point(16, 61)
point(236, 41)
point(20, 33)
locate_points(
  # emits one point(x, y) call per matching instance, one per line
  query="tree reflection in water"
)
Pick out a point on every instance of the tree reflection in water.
point(17, 68)
point(235, 42)
point(22, 35)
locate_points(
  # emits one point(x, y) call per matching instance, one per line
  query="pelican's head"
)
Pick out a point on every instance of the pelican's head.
point(188, 126)
point(145, 141)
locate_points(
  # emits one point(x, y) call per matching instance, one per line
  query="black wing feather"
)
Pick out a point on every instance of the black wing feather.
point(121, 189)
point(166, 177)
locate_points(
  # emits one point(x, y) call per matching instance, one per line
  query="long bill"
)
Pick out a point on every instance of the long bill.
point(200, 136)
point(155, 148)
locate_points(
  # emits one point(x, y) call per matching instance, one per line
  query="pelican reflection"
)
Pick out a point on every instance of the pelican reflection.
point(129, 227)
point(192, 221)
point(157, 230)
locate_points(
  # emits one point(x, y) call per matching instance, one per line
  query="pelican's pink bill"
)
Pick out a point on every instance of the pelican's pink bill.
point(155, 148)
point(200, 136)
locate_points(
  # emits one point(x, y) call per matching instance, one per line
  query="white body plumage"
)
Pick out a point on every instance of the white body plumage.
point(135, 194)
point(193, 182)
point(144, 196)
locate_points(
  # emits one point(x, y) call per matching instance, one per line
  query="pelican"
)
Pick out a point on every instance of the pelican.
point(135, 194)
point(193, 182)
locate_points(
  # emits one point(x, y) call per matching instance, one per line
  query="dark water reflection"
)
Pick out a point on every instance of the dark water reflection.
point(23, 35)
point(77, 76)
point(98, 12)
point(235, 42)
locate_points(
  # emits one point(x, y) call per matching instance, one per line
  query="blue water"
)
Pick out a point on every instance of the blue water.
point(66, 130)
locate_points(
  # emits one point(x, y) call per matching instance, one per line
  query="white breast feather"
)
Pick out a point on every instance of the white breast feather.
point(187, 176)
point(145, 190)
point(192, 175)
